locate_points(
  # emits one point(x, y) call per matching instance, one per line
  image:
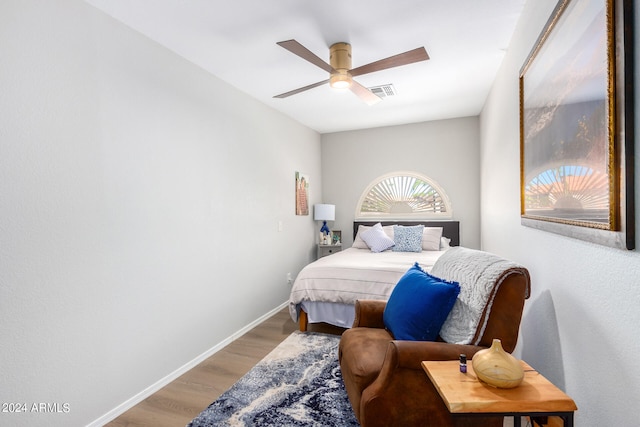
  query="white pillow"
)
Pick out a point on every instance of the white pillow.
point(360, 244)
point(377, 239)
point(445, 243)
point(431, 238)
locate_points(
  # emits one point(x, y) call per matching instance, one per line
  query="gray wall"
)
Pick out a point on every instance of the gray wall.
point(580, 325)
point(446, 151)
point(139, 206)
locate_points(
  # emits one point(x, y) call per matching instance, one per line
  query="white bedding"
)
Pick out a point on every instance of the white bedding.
point(352, 274)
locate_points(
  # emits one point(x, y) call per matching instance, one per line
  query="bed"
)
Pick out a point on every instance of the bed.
point(326, 290)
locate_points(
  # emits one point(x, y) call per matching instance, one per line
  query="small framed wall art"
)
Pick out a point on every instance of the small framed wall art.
point(302, 194)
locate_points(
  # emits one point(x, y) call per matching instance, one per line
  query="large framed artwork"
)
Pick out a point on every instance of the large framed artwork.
point(576, 124)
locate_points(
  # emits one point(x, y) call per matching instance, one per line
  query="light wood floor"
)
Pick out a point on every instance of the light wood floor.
point(180, 401)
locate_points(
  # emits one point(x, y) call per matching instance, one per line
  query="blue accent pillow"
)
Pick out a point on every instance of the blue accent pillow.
point(407, 239)
point(377, 239)
point(419, 305)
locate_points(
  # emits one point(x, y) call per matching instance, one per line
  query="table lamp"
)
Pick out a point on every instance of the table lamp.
point(324, 213)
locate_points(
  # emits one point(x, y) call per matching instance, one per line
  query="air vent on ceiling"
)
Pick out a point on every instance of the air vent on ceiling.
point(383, 91)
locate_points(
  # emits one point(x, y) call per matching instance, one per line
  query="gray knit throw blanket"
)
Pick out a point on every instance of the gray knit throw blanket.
point(479, 274)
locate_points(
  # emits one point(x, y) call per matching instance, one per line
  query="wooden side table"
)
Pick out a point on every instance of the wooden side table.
point(464, 394)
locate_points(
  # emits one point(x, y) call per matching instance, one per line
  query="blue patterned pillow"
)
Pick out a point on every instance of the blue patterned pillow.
point(407, 239)
point(377, 239)
point(419, 305)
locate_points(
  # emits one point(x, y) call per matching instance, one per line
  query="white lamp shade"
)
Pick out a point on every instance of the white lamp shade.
point(324, 212)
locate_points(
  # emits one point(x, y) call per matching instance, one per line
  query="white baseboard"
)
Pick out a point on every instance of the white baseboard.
point(130, 403)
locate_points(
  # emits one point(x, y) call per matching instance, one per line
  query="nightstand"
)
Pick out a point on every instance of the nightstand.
point(324, 250)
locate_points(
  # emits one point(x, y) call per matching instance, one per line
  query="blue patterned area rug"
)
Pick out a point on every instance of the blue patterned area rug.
point(298, 384)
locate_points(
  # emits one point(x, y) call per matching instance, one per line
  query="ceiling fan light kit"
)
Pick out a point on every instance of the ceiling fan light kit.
point(340, 71)
point(340, 80)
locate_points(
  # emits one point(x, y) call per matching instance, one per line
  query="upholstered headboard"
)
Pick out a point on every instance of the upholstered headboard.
point(450, 229)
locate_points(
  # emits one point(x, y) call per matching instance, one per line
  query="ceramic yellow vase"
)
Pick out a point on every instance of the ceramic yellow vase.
point(497, 368)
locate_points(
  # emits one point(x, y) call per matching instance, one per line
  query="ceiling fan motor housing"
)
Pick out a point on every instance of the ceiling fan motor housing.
point(340, 60)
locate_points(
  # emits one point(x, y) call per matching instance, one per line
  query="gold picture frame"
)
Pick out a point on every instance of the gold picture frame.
point(576, 124)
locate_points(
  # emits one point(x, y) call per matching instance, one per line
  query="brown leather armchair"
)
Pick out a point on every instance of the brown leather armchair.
point(384, 378)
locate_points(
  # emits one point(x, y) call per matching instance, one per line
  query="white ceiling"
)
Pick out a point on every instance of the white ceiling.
point(236, 41)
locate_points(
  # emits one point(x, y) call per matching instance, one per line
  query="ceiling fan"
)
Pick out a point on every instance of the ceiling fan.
point(340, 72)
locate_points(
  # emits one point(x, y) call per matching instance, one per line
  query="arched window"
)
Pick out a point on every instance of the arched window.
point(403, 195)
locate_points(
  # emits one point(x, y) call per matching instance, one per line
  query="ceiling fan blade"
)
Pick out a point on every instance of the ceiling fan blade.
point(415, 55)
point(364, 94)
point(304, 53)
point(302, 89)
